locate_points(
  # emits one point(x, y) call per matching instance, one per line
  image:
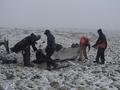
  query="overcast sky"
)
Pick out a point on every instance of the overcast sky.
point(60, 13)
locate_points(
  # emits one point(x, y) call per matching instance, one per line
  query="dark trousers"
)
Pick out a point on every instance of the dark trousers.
point(26, 56)
point(100, 54)
point(49, 53)
point(40, 57)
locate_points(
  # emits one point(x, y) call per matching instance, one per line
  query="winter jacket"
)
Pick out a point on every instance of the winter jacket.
point(84, 41)
point(50, 41)
point(101, 42)
point(27, 41)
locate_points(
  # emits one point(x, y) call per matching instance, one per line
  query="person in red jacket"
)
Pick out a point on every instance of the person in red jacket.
point(101, 45)
point(84, 43)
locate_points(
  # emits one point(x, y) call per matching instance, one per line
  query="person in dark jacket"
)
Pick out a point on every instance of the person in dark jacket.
point(50, 48)
point(24, 46)
point(101, 44)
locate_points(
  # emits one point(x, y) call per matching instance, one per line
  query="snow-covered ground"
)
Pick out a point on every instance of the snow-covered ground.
point(81, 75)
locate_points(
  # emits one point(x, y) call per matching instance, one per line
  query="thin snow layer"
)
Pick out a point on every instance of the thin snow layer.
point(81, 75)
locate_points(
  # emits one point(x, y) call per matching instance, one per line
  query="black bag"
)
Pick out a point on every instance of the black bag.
point(40, 57)
point(75, 45)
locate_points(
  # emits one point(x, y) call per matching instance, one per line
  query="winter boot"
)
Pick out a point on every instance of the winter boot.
point(30, 65)
point(102, 61)
point(96, 61)
point(48, 68)
point(55, 65)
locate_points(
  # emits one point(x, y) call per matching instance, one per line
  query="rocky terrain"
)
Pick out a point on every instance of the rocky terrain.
point(81, 75)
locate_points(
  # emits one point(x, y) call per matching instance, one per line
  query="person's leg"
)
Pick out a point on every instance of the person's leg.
point(81, 53)
point(97, 56)
point(84, 52)
point(26, 56)
point(40, 57)
point(102, 56)
point(50, 62)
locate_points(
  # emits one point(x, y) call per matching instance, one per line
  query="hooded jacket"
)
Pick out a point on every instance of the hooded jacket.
point(27, 41)
point(84, 41)
point(50, 40)
point(101, 42)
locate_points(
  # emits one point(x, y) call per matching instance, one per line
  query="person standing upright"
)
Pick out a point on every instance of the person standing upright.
point(84, 43)
point(101, 45)
point(50, 48)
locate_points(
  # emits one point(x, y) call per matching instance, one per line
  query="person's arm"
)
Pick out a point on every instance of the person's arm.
point(34, 47)
point(97, 42)
point(100, 40)
point(33, 41)
point(88, 44)
point(88, 47)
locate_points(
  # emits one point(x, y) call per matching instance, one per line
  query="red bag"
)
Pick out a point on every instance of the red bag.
point(102, 45)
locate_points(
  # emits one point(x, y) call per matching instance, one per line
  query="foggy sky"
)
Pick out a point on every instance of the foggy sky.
point(60, 13)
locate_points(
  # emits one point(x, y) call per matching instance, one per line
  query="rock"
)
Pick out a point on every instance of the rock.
point(88, 82)
point(109, 88)
point(95, 72)
point(97, 88)
point(104, 88)
point(117, 84)
point(83, 68)
point(9, 58)
point(23, 76)
point(36, 77)
point(6, 85)
point(31, 85)
point(1, 88)
point(9, 76)
point(55, 84)
point(2, 77)
point(117, 71)
point(40, 88)
point(22, 88)
point(50, 88)
point(18, 82)
point(25, 84)
point(64, 88)
point(113, 78)
point(75, 45)
point(81, 88)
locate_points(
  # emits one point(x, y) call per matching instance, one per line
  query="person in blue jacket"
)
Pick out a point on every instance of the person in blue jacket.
point(50, 48)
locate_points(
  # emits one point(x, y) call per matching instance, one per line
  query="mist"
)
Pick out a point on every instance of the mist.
point(89, 14)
